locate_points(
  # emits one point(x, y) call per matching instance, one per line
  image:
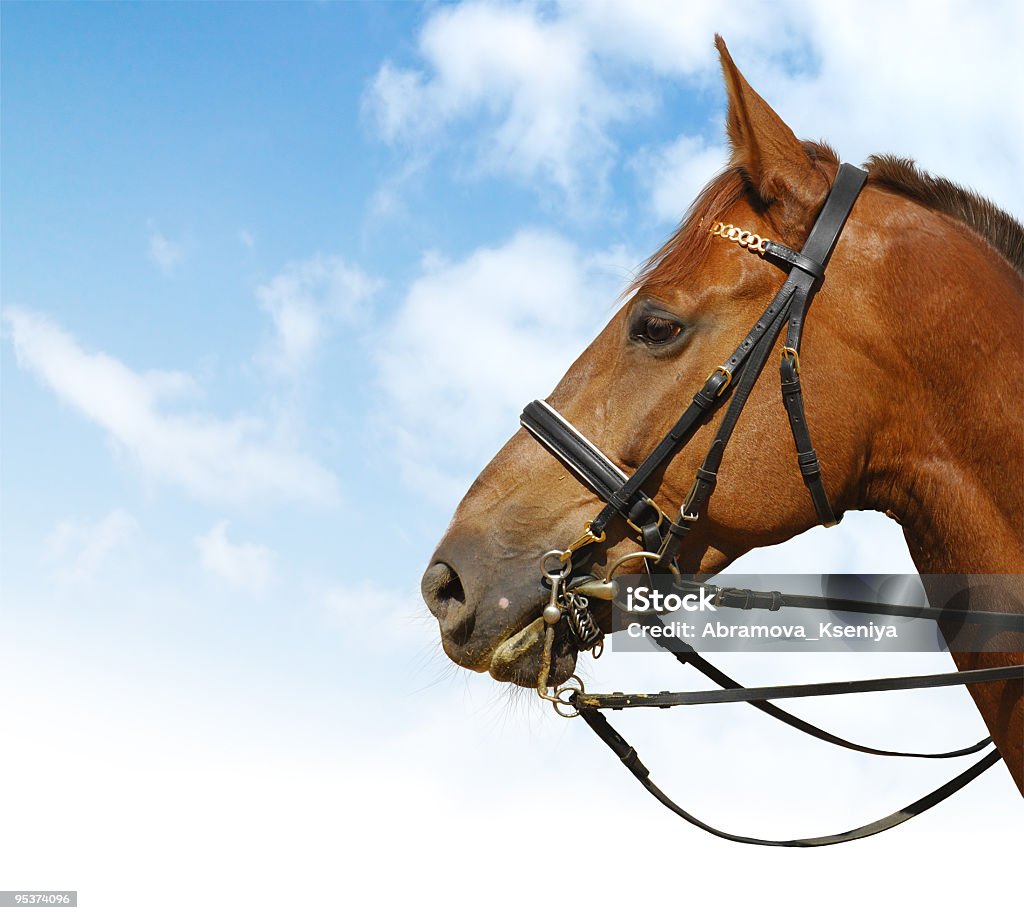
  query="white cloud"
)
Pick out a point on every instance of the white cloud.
point(919, 87)
point(164, 253)
point(548, 87)
point(675, 174)
point(247, 566)
point(377, 613)
point(99, 732)
point(246, 238)
point(475, 340)
point(529, 77)
point(304, 301)
point(221, 460)
point(81, 549)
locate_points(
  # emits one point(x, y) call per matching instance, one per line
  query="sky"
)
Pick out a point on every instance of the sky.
point(276, 281)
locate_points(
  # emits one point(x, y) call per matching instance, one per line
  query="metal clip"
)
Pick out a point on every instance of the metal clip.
point(587, 537)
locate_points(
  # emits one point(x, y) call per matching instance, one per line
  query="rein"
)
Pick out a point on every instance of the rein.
point(662, 537)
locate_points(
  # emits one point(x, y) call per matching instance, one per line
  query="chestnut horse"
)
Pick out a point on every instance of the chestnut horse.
point(912, 369)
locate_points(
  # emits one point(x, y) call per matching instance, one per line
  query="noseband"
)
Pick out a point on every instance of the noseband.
point(661, 537)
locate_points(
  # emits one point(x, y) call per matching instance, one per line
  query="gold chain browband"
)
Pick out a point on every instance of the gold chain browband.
point(748, 240)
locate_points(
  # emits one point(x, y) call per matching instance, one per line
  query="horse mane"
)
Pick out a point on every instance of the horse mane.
point(903, 176)
point(688, 246)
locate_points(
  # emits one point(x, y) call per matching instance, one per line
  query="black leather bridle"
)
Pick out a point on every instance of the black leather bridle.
point(730, 382)
point(661, 537)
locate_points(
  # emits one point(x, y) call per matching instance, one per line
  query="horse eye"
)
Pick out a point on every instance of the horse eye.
point(657, 330)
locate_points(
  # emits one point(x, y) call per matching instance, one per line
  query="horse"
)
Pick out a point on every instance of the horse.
point(910, 365)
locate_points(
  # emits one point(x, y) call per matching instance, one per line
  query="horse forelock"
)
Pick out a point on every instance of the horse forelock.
point(682, 254)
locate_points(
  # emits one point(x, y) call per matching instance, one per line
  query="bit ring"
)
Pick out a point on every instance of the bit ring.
point(561, 573)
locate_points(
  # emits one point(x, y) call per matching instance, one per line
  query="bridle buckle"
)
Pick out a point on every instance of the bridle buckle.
point(653, 505)
point(793, 356)
point(725, 385)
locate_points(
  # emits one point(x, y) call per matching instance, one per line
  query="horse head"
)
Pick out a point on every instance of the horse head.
point(695, 299)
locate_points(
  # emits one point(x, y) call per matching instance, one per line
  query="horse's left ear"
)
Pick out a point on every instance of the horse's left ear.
point(778, 166)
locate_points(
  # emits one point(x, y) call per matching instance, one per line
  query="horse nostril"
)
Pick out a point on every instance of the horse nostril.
point(442, 587)
point(445, 596)
point(452, 589)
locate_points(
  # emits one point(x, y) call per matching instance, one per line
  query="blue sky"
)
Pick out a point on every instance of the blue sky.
point(277, 279)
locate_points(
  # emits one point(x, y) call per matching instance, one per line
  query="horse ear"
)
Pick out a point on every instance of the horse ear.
point(766, 150)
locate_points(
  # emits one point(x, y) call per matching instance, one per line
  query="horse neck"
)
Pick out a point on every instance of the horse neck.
point(947, 462)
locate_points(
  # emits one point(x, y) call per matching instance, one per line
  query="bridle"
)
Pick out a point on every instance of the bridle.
point(661, 537)
point(733, 378)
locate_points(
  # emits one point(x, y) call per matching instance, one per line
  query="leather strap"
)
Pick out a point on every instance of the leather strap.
point(587, 705)
point(778, 253)
point(629, 757)
point(707, 473)
point(669, 698)
point(807, 457)
point(574, 450)
point(817, 251)
point(685, 654)
point(715, 390)
point(833, 215)
point(745, 599)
